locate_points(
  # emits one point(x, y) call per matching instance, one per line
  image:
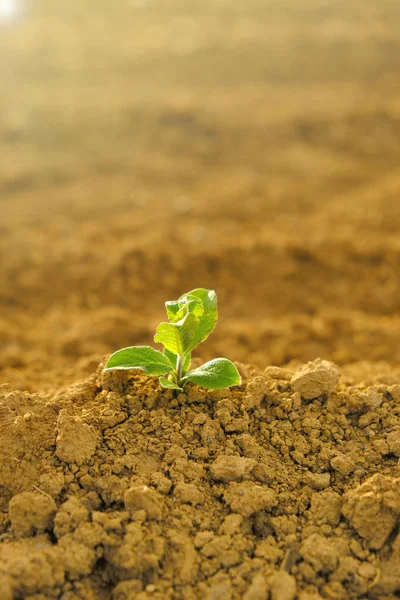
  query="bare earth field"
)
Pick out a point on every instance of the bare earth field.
point(151, 147)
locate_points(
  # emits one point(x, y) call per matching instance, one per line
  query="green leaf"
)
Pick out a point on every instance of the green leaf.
point(178, 337)
point(148, 359)
point(174, 310)
point(218, 373)
point(177, 309)
point(194, 305)
point(166, 383)
point(200, 303)
point(173, 358)
point(207, 298)
point(207, 320)
point(186, 363)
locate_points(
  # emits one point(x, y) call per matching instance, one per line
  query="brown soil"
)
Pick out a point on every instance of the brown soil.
point(287, 486)
point(251, 147)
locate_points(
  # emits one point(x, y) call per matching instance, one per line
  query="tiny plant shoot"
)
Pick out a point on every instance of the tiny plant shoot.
point(191, 319)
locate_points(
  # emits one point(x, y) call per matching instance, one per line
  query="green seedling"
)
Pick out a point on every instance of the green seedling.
point(191, 319)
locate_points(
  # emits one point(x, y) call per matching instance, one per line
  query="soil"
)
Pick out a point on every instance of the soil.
point(252, 148)
point(285, 487)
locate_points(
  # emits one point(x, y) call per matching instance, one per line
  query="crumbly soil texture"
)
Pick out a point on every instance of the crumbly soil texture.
point(285, 487)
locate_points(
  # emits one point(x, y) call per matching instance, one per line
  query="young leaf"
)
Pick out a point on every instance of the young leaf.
point(193, 304)
point(207, 320)
point(186, 363)
point(173, 358)
point(177, 309)
point(174, 310)
point(166, 383)
point(217, 373)
point(148, 359)
point(178, 337)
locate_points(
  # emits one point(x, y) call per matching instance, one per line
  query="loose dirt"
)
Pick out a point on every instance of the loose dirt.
point(285, 487)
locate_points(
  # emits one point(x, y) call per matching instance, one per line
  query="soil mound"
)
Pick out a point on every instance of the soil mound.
point(285, 487)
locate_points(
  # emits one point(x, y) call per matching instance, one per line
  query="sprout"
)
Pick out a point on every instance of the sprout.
point(191, 319)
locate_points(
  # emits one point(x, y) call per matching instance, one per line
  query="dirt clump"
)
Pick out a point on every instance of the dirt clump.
point(377, 500)
point(31, 512)
point(121, 490)
point(315, 379)
point(76, 441)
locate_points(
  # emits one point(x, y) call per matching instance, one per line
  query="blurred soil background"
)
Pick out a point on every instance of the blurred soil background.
point(150, 147)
